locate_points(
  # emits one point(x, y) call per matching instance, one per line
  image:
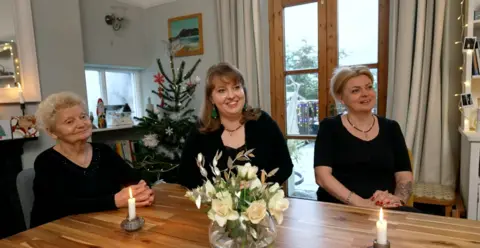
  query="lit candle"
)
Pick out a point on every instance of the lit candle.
point(20, 94)
point(381, 229)
point(466, 125)
point(131, 206)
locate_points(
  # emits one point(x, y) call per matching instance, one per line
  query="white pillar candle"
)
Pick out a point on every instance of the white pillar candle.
point(131, 206)
point(381, 229)
point(466, 125)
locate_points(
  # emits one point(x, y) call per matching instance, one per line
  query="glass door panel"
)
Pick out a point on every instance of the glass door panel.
point(357, 32)
point(301, 37)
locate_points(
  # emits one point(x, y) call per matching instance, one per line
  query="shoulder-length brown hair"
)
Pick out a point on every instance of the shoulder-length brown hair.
point(230, 73)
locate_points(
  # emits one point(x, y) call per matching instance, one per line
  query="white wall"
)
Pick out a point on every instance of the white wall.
point(157, 24)
point(104, 46)
point(58, 38)
point(7, 28)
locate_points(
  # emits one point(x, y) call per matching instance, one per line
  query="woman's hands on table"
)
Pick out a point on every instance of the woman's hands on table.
point(144, 196)
point(385, 199)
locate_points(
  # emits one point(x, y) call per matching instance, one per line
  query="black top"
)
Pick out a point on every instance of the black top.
point(361, 166)
point(262, 135)
point(62, 188)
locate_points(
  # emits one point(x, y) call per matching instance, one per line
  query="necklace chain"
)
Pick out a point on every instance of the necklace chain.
point(231, 131)
point(363, 131)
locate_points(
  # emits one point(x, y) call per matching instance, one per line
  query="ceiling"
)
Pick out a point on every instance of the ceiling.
point(145, 3)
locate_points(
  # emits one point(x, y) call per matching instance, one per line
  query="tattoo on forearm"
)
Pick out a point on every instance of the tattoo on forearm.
point(404, 190)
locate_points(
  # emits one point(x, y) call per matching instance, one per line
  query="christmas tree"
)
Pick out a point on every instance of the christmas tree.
point(168, 125)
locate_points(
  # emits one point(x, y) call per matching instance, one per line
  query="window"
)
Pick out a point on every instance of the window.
point(308, 40)
point(115, 87)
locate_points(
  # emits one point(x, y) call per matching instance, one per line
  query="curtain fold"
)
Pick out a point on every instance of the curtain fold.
point(242, 39)
point(421, 94)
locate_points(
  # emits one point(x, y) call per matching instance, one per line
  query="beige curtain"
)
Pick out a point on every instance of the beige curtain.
point(423, 79)
point(243, 35)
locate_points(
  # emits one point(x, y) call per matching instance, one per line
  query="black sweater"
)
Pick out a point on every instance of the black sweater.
point(262, 135)
point(62, 188)
point(361, 166)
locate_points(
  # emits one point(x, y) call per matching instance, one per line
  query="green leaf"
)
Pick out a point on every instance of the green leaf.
point(230, 163)
point(249, 151)
point(272, 172)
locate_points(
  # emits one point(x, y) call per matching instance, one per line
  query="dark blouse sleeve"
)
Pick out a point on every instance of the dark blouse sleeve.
point(125, 174)
point(323, 154)
point(400, 150)
point(189, 174)
point(282, 154)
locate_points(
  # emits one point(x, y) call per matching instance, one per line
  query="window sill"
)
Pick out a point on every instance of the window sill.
point(97, 130)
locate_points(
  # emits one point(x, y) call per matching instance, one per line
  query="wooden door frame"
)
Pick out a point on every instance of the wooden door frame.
point(327, 45)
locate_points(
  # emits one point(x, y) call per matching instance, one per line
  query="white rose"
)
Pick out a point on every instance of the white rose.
point(256, 211)
point(274, 188)
point(277, 205)
point(247, 171)
point(150, 140)
point(256, 183)
point(223, 208)
point(199, 157)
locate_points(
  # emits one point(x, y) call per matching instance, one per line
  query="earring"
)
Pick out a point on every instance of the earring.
point(245, 107)
point(214, 112)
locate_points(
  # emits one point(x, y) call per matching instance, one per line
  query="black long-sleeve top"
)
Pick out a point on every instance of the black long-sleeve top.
point(361, 166)
point(262, 135)
point(62, 188)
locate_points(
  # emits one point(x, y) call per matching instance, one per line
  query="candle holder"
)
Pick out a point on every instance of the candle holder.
point(377, 245)
point(132, 225)
point(22, 107)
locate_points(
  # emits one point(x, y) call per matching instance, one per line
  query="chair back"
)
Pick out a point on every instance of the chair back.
point(25, 193)
point(411, 199)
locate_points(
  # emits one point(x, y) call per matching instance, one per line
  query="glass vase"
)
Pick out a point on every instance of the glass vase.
point(265, 232)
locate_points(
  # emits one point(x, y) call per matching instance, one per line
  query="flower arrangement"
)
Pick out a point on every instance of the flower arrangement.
point(240, 205)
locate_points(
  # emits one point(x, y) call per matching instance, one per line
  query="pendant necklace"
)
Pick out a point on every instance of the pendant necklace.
point(231, 131)
point(363, 131)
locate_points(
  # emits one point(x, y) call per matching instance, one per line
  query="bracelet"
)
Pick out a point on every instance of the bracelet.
point(348, 197)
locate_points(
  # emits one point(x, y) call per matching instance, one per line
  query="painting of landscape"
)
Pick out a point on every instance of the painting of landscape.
point(186, 33)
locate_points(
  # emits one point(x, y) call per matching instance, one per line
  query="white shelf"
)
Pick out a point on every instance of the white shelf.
point(471, 136)
point(7, 77)
point(112, 128)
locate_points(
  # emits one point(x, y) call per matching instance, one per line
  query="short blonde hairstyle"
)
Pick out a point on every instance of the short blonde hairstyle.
point(47, 110)
point(341, 75)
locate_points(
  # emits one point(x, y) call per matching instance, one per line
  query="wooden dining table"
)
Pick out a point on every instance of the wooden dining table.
point(174, 221)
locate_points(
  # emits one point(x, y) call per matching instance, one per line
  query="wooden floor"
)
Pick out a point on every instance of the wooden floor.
point(175, 222)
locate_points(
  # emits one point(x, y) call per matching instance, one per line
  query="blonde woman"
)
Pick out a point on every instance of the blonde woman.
point(75, 176)
point(361, 159)
point(229, 125)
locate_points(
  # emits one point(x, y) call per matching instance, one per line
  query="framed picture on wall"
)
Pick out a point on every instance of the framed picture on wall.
point(187, 34)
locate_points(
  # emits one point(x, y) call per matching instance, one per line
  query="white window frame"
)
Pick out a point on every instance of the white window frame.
point(135, 77)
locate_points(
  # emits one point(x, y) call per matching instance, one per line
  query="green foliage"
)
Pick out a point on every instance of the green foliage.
point(305, 57)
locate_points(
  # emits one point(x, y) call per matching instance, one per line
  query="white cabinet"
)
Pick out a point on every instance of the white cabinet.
point(469, 173)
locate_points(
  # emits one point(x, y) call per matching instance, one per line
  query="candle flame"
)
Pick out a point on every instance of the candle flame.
point(381, 214)
point(130, 191)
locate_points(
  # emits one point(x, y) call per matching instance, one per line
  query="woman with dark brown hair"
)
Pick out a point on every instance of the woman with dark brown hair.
point(229, 125)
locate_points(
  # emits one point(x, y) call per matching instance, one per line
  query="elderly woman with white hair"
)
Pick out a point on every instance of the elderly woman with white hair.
point(75, 176)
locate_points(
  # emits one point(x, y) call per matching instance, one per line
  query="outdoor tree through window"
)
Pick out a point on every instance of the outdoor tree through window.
point(308, 40)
